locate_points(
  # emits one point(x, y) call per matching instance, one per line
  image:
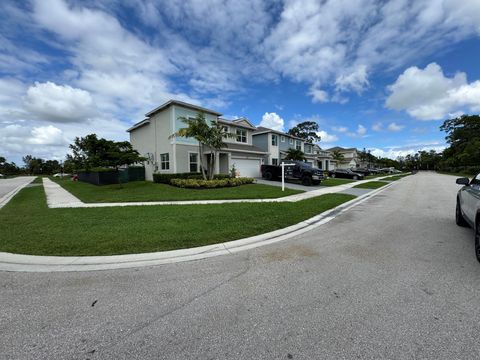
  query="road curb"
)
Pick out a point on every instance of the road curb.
point(35, 263)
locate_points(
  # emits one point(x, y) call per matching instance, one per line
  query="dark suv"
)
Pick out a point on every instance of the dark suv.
point(468, 207)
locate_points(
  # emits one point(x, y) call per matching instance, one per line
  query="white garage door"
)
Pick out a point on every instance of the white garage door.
point(247, 167)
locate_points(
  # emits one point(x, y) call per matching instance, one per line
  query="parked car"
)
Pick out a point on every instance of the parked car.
point(363, 171)
point(345, 173)
point(302, 171)
point(467, 212)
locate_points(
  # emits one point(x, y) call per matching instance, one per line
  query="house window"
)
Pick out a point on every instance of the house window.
point(193, 161)
point(290, 141)
point(241, 135)
point(164, 161)
point(274, 161)
point(308, 149)
point(274, 140)
point(282, 138)
point(225, 128)
point(298, 145)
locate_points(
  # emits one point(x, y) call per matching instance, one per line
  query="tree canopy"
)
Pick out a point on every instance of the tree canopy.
point(306, 130)
point(463, 136)
point(90, 152)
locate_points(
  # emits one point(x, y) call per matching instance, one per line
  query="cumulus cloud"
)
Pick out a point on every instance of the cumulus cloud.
point(272, 121)
point(326, 137)
point(59, 103)
point(409, 149)
point(47, 135)
point(377, 126)
point(360, 132)
point(427, 94)
point(394, 127)
point(355, 80)
point(340, 129)
point(318, 95)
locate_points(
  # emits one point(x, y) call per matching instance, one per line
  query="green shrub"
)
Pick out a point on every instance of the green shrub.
point(210, 184)
point(165, 178)
point(221, 176)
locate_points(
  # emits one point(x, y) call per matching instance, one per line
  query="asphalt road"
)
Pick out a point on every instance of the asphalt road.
point(8, 185)
point(393, 278)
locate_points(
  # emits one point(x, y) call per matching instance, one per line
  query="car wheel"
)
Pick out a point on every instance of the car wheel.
point(316, 183)
point(307, 181)
point(477, 242)
point(333, 175)
point(355, 177)
point(459, 219)
point(268, 175)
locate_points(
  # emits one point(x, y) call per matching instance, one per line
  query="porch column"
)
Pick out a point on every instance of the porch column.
point(217, 164)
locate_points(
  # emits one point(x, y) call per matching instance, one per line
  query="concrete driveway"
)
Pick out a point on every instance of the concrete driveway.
point(394, 278)
point(9, 186)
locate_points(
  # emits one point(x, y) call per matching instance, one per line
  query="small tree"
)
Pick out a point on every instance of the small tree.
point(295, 154)
point(337, 156)
point(209, 137)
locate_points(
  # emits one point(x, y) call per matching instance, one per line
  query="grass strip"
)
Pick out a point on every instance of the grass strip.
point(30, 227)
point(149, 191)
point(371, 185)
point(335, 182)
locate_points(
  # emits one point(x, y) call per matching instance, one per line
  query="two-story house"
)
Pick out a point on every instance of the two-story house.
point(350, 157)
point(276, 144)
point(152, 138)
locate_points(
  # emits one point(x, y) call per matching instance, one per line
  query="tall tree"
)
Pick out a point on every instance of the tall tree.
point(306, 130)
point(463, 136)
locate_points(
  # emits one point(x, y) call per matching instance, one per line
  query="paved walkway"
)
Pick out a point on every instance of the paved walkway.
point(9, 187)
point(58, 197)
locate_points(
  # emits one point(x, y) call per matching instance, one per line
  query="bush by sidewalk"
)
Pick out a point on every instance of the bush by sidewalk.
point(209, 184)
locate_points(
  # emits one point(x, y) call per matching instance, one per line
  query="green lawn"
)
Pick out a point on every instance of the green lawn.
point(335, 182)
point(30, 227)
point(396, 177)
point(149, 191)
point(371, 185)
point(457, 174)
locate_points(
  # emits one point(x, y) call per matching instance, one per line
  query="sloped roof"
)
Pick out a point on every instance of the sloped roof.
point(181, 103)
point(242, 122)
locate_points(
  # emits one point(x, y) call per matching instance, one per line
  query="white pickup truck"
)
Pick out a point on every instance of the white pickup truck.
point(467, 212)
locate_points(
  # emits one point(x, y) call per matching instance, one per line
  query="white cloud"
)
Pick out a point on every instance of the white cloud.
point(377, 126)
point(409, 149)
point(394, 127)
point(340, 129)
point(355, 80)
point(326, 137)
point(272, 121)
point(315, 41)
point(47, 135)
point(361, 130)
point(429, 95)
point(318, 95)
point(59, 103)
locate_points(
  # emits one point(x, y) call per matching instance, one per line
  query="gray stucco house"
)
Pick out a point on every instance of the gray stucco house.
point(151, 137)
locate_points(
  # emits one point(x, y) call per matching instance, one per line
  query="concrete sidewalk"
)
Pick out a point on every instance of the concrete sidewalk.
point(58, 197)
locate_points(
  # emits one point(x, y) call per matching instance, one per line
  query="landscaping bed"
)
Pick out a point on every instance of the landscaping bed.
point(30, 227)
point(149, 191)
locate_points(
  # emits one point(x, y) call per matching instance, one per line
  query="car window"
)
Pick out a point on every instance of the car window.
point(475, 180)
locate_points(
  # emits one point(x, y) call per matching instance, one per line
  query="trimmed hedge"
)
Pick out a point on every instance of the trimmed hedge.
point(210, 184)
point(166, 178)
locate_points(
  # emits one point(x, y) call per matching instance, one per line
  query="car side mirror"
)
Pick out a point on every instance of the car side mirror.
point(463, 181)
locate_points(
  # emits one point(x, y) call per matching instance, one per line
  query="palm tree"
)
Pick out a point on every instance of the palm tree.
point(337, 156)
point(295, 154)
point(208, 136)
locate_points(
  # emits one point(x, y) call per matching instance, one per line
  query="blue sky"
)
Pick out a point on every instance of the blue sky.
point(376, 74)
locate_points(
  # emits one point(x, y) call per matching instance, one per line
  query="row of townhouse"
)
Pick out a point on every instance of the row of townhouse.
point(247, 150)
